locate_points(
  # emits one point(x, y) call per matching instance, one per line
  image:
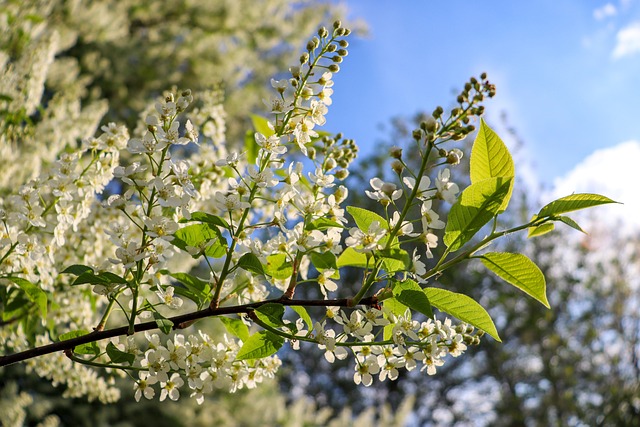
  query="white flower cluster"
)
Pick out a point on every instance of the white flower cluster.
point(409, 342)
point(197, 362)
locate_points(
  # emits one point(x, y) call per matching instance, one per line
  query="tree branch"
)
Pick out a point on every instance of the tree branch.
point(177, 321)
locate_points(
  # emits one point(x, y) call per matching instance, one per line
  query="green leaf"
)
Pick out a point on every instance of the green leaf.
point(490, 158)
point(163, 323)
point(324, 261)
point(574, 202)
point(208, 218)
point(394, 260)
point(260, 124)
point(250, 262)
point(118, 356)
point(77, 269)
point(409, 293)
point(364, 218)
point(352, 258)
point(462, 307)
point(322, 224)
point(476, 206)
point(197, 235)
point(196, 289)
point(88, 348)
point(251, 147)
point(235, 327)
point(571, 223)
point(271, 314)
point(278, 267)
point(33, 292)
point(191, 282)
point(519, 271)
point(540, 229)
point(302, 312)
point(259, 345)
point(103, 278)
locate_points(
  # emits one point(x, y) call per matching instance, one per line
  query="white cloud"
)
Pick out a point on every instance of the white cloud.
point(605, 11)
point(628, 41)
point(612, 172)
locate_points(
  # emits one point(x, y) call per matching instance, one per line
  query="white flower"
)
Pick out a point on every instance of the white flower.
point(365, 369)
point(303, 133)
point(270, 145)
point(325, 282)
point(355, 324)
point(230, 202)
point(171, 388)
point(320, 179)
point(168, 298)
point(231, 160)
point(385, 192)
point(264, 179)
point(423, 193)
point(430, 219)
point(143, 386)
point(365, 242)
point(318, 111)
point(447, 190)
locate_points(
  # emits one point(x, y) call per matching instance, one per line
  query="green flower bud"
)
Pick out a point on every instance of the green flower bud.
point(322, 32)
point(397, 166)
point(342, 174)
point(334, 68)
point(343, 43)
point(337, 24)
point(304, 58)
point(395, 152)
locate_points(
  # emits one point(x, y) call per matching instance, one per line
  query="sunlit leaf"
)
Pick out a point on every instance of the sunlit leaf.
point(519, 271)
point(464, 308)
point(259, 345)
point(490, 158)
point(475, 207)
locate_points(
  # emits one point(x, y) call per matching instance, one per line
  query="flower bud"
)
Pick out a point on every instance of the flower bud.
point(429, 125)
point(343, 52)
point(395, 152)
point(454, 156)
point(329, 164)
point(311, 153)
point(343, 43)
point(397, 166)
point(304, 58)
point(337, 59)
point(337, 24)
point(332, 48)
point(342, 174)
point(295, 71)
point(417, 134)
point(334, 68)
point(322, 32)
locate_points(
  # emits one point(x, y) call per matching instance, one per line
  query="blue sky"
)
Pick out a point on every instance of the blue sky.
point(567, 72)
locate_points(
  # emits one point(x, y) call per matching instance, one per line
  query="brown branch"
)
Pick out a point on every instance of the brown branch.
point(177, 321)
